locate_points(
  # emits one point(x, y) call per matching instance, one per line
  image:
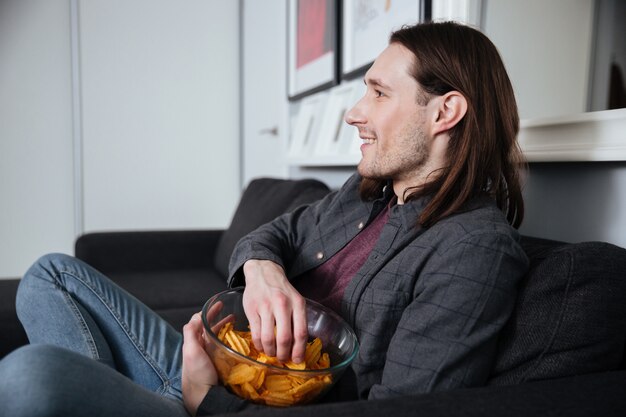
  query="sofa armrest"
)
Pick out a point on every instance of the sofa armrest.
point(142, 251)
point(12, 334)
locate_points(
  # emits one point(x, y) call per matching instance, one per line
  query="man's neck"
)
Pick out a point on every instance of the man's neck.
point(400, 187)
point(425, 174)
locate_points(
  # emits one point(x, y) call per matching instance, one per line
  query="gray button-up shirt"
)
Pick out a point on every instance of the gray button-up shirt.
point(427, 305)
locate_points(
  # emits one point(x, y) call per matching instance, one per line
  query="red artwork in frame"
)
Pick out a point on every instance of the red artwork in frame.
point(314, 37)
point(312, 46)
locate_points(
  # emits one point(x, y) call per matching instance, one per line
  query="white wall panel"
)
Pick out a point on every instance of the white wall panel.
point(36, 166)
point(160, 94)
point(265, 105)
point(546, 47)
point(150, 130)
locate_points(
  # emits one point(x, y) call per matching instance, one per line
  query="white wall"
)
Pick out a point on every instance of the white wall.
point(576, 202)
point(36, 168)
point(545, 46)
point(160, 113)
point(158, 120)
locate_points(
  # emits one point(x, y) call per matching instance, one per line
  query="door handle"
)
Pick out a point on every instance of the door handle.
point(273, 131)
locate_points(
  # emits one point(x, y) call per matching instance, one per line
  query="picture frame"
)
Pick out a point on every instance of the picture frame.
point(306, 126)
point(312, 46)
point(366, 26)
point(335, 136)
point(349, 140)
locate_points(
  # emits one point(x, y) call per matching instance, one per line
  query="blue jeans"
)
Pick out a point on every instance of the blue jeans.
point(95, 349)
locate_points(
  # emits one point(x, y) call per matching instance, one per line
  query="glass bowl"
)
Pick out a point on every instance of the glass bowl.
point(269, 384)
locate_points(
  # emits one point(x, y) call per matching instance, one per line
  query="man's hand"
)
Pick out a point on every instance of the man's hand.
point(199, 374)
point(269, 301)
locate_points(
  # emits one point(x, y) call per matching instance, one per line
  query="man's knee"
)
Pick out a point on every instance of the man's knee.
point(43, 273)
point(40, 360)
point(31, 380)
point(51, 263)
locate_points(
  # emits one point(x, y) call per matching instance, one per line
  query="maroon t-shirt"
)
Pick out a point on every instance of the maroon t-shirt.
point(326, 283)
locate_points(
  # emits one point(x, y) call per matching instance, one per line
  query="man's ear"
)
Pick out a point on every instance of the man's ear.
point(447, 111)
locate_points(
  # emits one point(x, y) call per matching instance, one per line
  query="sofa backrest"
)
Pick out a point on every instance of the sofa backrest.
point(570, 315)
point(263, 200)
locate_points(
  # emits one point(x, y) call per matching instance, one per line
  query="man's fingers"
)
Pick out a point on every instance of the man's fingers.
point(192, 332)
point(300, 332)
point(214, 310)
point(269, 302)
point(217, 326)
point(255, 331)
point(194, 326)
point(267, 333)
point(283, 336)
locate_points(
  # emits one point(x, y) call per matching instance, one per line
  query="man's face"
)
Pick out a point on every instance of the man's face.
point(390, 120)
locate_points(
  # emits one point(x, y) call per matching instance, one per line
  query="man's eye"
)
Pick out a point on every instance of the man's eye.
point(379, 93)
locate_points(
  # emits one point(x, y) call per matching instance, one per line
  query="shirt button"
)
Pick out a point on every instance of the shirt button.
point(360, 226)
point(319, 255)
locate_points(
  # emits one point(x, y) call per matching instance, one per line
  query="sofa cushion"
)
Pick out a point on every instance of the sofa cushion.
point(147, 251)
point(167, 290)
point(570, 316)
point(263, 200)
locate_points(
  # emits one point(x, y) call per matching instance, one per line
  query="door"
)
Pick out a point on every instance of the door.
point(265, 105)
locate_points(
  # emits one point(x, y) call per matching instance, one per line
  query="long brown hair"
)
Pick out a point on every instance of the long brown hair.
point(483, 154)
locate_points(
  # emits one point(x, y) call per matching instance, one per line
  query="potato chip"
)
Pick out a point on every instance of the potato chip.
point(297, 380)
point(270, 360)
point(222, 333)
point(323, 362)
point(278, 399)
point(277, 383)
point(311, 385)
point(257, 382)
point(254, 383)
point(241, 373)
point(299, 366)
point(312, 352)
point(250, 391)
point(237, 342)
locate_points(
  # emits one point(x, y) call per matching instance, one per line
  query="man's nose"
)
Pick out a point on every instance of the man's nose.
point(355, 115)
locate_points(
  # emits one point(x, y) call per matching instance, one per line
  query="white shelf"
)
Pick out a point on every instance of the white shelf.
point(594, 136)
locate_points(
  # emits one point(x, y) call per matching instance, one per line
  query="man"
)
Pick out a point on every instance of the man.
point(414, 251)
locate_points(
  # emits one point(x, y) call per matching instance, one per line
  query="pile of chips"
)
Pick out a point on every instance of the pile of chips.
point(266, 386)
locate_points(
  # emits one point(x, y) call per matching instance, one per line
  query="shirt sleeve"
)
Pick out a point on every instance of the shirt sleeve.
point(446, 337)
point(220, 401)
point(282, 239)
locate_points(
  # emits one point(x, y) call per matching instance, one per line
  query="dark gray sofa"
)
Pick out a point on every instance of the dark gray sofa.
point(561, 353)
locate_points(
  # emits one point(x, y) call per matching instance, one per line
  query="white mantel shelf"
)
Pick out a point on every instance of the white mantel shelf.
point(594, 136)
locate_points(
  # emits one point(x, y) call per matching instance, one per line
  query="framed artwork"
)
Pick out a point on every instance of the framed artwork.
point(367, 25)
point(307, 124)
point(335, 135)
point(313, 47)
point(349, 140)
